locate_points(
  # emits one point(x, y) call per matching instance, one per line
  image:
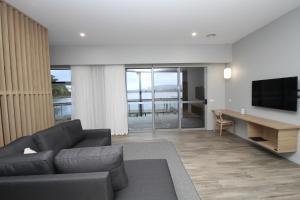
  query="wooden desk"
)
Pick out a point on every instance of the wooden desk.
point(274, 135)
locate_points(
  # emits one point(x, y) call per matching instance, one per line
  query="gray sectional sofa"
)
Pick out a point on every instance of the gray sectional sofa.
point(60, 148)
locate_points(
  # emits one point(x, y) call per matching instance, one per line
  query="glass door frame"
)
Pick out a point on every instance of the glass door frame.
point(167, 100)
point(179, 101)
point(204, 102)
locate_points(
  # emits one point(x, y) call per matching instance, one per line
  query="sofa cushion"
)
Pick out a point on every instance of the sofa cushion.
point(18, 146)
point(148, 180)
point(94, 159)
point(74, 129)
point(54, 138)
point(92, 142)
point(27, 164)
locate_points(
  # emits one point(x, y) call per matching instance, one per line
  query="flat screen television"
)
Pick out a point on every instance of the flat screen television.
point(280, 93)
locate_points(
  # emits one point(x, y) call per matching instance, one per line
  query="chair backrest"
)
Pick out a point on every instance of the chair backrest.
point(218, 116)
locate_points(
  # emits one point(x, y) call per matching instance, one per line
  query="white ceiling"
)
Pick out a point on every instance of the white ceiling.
point(120, 22)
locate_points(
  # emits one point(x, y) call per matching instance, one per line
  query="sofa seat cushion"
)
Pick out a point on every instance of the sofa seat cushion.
point(148, 180)
point(74, 129)
point(92, 142)
point(18, 146)
point(94, 159)
point(54, 138)
point(27, 164)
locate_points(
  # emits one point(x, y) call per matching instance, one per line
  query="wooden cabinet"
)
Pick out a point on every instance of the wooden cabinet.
point(274, 135)
point(278, 140)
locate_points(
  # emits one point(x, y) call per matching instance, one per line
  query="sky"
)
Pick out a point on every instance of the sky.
point(62, 75)
point(132, 78)
point(160, 79)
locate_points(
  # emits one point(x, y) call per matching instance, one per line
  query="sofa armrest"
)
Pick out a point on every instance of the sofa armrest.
point(79, 186)
point(98, 133)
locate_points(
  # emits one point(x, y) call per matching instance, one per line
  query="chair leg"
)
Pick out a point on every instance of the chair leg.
point(221, 127)
point(216, 127)
point(234, 127)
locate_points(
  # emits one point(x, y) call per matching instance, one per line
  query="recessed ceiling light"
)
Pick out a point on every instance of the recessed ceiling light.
point(211, 35)
point(194, 34)
point(82, 34)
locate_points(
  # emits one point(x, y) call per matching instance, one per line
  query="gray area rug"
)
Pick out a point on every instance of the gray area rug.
point(184, 187)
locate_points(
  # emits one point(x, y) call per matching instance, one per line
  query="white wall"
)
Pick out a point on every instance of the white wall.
point(93, 55)
point(271, 52)
point(215, 92)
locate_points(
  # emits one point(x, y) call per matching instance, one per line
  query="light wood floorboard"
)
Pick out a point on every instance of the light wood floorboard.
point(229, 167)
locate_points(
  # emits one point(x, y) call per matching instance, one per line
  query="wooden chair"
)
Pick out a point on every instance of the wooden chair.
point(222, 123)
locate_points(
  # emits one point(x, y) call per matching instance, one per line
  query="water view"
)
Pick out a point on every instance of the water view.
point(62, 108)
point(61, 91)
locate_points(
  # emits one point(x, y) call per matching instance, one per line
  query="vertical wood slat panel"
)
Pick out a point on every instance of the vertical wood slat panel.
point(33, 77)
point(40, 57)
point(23, 67)
point(29, 80)
point(32, 104)
point(47, 62)
point(12, 56)
point(42, 72)
point(41, 80)
point(2, 72)
point(12, 49)
point(46, 109)
point(39, 88)
point(35, 48)
point(23, 53)
point(28, 54)
point(19, 71)
point(11, 117)
point(23, 115)
point(28, 114)
point(38, 81)
point(1, 126)
point(5, 47)
point(4, 128)
point(39, 112)
point(47, 80)
point(25, 85)
point(17, 35)
point(45, 76)
point(5, 119)
point(50, 99)
point(32, 55)
point(16, 99)
point(50, 110)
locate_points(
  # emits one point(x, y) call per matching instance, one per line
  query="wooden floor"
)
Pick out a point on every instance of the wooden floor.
point(229, 167)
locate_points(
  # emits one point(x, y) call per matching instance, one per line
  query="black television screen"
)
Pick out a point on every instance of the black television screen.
point(278, 93)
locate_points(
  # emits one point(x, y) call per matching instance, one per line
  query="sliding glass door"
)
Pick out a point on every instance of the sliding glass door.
point(139, 97)
point(165, 98)
point(192, 100)
point(166, 102)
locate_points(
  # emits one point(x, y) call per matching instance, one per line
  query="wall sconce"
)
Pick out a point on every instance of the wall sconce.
point(227, 72)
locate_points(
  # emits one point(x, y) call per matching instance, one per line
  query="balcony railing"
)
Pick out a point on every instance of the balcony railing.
point(62, 111)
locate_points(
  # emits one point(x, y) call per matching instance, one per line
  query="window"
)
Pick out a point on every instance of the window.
point(165, 98)
point(61, 91)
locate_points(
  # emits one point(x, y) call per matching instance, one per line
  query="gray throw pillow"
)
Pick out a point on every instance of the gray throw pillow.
point(94, 159)
point(74, 129)
point(18, 146)
point(27, 164)
point(54, 138)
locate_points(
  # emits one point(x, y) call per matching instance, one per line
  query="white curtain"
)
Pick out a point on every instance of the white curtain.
point(99, 97)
